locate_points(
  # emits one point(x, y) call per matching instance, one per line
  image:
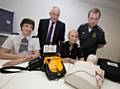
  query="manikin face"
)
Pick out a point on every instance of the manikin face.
point(73, 37)
point(54, 15)
point(93, 19)
point(26, 29)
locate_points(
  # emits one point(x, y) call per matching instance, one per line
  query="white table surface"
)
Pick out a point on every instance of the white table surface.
point(38, 80)
point(5, 78)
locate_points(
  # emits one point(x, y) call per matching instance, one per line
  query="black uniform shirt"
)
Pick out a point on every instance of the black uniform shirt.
point(90, 40)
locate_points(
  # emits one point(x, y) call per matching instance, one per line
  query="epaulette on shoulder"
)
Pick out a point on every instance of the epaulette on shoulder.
point(83, 24)
point(100, 28)
point(34, 36)
point(14, 33)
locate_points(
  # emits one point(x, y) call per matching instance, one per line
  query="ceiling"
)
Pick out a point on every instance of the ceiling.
point(110, 4)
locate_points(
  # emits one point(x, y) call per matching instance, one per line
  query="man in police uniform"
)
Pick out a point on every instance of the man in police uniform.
point(21, 48)
point(91, 36)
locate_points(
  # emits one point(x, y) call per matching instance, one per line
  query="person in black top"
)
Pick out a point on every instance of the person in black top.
point(69, 50)
point(91, 36)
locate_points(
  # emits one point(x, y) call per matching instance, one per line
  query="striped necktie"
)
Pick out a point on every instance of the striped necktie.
point(23, 45)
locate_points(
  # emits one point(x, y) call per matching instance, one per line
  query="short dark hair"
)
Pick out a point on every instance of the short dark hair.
point(95, 10)
point(27, 21)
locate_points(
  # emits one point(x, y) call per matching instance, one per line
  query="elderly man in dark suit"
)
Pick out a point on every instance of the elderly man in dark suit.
point(51, 30)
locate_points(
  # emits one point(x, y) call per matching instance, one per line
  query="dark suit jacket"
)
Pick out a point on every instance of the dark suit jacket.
point(59, 34)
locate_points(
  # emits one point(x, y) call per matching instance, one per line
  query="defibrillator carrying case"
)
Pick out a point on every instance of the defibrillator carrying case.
point(33, 65)
point(54, 67)
point(111, 68)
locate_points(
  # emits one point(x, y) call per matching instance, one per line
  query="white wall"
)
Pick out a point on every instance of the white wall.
point(73, 13)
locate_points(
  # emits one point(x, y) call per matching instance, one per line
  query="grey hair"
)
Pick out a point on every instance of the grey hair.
point(55, 8)
point(72, 30)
